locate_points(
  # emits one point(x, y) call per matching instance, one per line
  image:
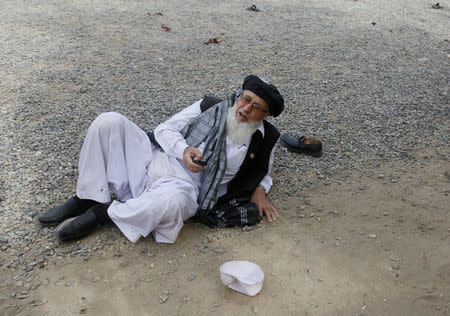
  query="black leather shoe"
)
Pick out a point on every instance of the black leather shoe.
point(80, 226)
point(302, 145)
point(72, 207)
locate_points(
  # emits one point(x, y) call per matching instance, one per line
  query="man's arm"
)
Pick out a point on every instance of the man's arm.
point(168, 135)
point(259, 196)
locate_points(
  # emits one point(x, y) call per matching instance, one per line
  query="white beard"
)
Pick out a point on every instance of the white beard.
point(239, 132)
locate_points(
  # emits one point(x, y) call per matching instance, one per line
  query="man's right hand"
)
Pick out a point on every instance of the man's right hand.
point(189, 154)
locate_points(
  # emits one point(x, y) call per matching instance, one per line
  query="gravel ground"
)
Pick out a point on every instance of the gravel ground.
point(369, 79)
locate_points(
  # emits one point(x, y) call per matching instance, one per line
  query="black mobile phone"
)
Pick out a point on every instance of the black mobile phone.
point(199, 162)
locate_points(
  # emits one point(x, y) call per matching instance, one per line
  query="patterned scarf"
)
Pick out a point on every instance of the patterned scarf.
point(209, 127)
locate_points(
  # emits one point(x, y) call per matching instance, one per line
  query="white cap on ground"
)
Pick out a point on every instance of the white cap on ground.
point(242, 276)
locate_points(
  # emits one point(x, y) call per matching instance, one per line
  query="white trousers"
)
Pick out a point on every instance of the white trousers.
point(114, 157)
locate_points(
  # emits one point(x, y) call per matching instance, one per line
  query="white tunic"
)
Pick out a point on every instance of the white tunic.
point(156, 193)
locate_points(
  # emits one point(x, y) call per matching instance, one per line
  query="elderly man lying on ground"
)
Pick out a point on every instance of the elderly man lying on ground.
point(213, 160)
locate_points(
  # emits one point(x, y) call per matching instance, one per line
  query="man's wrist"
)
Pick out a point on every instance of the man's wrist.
point(263, 188)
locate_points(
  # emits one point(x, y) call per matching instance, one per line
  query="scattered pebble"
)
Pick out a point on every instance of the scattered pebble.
point(70, 283)
point(372, 236)
point(191, 277)
point(163, 298)
point(394, 258)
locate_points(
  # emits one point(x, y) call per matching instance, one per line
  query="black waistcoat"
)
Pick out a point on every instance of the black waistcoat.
point(256, 162)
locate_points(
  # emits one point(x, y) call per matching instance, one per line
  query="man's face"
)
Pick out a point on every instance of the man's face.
point(251, 108)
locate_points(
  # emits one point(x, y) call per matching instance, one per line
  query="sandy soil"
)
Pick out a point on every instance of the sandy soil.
point(375, 244)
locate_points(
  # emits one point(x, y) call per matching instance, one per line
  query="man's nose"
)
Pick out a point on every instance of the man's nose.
point(248, 108)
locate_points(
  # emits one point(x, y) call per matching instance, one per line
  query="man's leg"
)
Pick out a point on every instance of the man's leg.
point(161, 209)
point(114, 156)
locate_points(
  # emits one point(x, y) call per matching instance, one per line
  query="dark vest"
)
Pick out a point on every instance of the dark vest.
point(256, 162)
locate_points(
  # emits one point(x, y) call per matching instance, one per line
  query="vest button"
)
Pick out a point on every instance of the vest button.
point(252, 155)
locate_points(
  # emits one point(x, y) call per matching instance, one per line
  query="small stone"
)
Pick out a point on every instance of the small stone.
point(362, 187)
point(218, 250)
point(163, 298)
point(395, 266)
point(372, 236)
point(191, 277)
point(394, 258)
point(385, 214)
point(70, 283)
point(363, 214)
point(247, 228)
point(215, 305)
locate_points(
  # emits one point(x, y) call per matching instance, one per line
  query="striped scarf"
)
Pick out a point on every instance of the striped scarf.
point(209, 127)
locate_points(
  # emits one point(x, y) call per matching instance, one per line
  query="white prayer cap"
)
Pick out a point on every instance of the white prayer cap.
point(242, 276)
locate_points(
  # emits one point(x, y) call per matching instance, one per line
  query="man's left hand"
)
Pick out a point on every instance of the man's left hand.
point(259, 197)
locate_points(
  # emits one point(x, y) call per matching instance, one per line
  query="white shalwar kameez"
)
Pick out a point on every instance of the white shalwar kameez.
point(155, 191)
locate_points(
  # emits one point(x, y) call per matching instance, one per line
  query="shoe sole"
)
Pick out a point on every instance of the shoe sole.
point(301, 151)
point(44, 224)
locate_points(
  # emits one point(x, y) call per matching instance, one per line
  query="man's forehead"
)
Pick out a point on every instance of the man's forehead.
point(256, 98)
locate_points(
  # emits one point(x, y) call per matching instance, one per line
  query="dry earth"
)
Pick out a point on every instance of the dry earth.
point(375, 244)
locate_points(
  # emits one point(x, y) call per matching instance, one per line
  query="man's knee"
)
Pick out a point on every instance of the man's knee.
point(107, 120)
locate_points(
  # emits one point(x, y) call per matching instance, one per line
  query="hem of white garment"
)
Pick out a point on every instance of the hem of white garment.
point(133, 237)
point(161, 239)
point(101, 198)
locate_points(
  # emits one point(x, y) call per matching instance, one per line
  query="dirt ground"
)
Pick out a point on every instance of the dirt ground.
point(374, 244)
